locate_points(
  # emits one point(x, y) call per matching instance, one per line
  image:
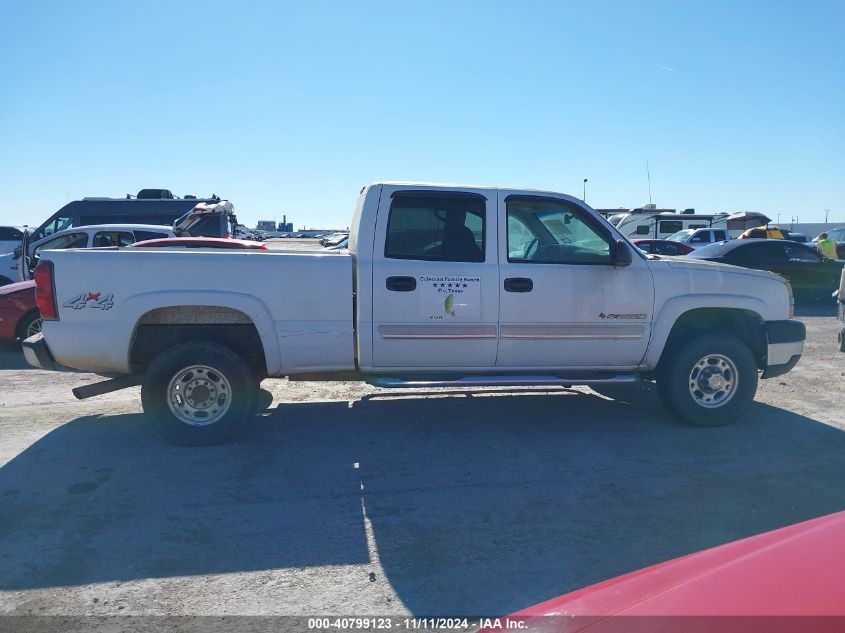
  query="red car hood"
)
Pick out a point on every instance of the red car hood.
point(13, 288)
point(797, 570)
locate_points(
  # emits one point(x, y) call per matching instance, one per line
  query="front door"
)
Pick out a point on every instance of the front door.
point(564, 304)
point(435, 290)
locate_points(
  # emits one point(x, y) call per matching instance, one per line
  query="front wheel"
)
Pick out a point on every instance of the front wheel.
point(199, 394)
point(708, 381)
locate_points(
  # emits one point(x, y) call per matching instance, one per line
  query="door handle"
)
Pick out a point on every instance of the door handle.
point(401, 284)
point(519, 284)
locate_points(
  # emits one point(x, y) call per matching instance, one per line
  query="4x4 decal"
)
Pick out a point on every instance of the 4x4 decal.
point(92, 300)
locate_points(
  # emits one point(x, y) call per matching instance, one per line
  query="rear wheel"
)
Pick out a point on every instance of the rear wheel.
point(29, 325)
point(199, 394)
point(841, 338)
point(709, 381)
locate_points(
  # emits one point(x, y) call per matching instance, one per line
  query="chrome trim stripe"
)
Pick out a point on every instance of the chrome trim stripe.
point(437, 332)
point(573, 332)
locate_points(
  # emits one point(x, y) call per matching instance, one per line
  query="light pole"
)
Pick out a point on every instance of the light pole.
point(584, 197)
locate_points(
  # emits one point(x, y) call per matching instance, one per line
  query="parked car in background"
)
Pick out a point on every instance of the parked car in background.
point(700, 237)
point(810, 274)
point(10, 237)
point(19, 316)
point(79, 237)
point(801, 238)
point(201, 242)
point(341, 245)
point(762, 233)
point(791, 571)
point(663, 247)
point(333, 239)
point(149, 206)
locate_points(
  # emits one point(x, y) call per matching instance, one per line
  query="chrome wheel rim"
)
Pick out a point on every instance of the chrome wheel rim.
point(33, 328)
point(713, 381)
point(199, 395)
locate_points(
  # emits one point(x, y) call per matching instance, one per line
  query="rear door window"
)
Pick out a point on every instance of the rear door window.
point(436, 227)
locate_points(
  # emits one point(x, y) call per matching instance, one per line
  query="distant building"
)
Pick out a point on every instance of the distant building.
point(266, 225)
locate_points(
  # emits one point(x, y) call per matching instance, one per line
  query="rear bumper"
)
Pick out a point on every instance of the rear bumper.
point(37, 353)
point(785, 346)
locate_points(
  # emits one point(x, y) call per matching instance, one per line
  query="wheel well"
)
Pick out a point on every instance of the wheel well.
point(162, 328)
point(5, 281)
point(745, 324)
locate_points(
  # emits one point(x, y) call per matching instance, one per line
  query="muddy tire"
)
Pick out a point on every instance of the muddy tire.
point(199, 394)
point(709, 380)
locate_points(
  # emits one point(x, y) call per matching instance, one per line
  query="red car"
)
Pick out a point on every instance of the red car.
point(798, 570)
point(19, 318)
point(201, 242)
point(663, 247)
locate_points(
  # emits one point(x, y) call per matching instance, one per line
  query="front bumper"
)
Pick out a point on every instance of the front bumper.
point(37, 353)
point(785, 346)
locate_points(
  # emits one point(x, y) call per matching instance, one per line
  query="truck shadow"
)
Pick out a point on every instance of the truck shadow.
point(479, 504)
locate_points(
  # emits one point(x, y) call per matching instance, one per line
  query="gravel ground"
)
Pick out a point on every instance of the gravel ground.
point(346, 499)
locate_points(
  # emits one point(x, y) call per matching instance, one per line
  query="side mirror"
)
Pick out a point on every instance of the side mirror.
point(622, 255)
point(17, 253)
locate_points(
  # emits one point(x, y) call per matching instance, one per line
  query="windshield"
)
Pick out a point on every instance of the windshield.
point(616, 218)
point(680, 236)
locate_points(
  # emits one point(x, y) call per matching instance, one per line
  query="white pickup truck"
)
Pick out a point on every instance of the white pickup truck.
point(441, 286)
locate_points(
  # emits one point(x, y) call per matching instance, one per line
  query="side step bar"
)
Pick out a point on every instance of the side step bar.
point(518, 380)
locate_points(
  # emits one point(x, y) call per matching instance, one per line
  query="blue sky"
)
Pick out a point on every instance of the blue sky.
point(292, 107)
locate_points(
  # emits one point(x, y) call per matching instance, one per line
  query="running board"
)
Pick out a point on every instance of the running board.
point(518, 380)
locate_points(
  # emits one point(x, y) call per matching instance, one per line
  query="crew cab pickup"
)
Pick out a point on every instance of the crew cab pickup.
point(441, 286)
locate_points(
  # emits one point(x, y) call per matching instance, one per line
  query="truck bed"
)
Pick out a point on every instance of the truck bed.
point(301, 303)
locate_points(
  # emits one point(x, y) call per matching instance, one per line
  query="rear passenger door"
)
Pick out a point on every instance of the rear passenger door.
point(435, 279)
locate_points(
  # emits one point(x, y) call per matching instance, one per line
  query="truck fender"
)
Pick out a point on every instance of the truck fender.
point(136, 306)
point(675, 307)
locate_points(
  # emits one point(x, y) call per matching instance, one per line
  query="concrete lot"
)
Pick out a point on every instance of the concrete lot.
point(348, 499)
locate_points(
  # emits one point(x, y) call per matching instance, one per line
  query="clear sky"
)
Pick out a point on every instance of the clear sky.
point(292, 107)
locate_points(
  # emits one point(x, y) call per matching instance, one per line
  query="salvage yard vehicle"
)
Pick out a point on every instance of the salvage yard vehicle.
point(149, 206)
point(445, 286)
point(19, 317)
point(99, 235)
point(724, 582)
point(663, 247)
point(10, 237)
point(811, 275)
point(201, 242)
point(699, 237)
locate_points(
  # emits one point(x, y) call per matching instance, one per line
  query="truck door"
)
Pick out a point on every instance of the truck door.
point(435, 279)
point(564, 304)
